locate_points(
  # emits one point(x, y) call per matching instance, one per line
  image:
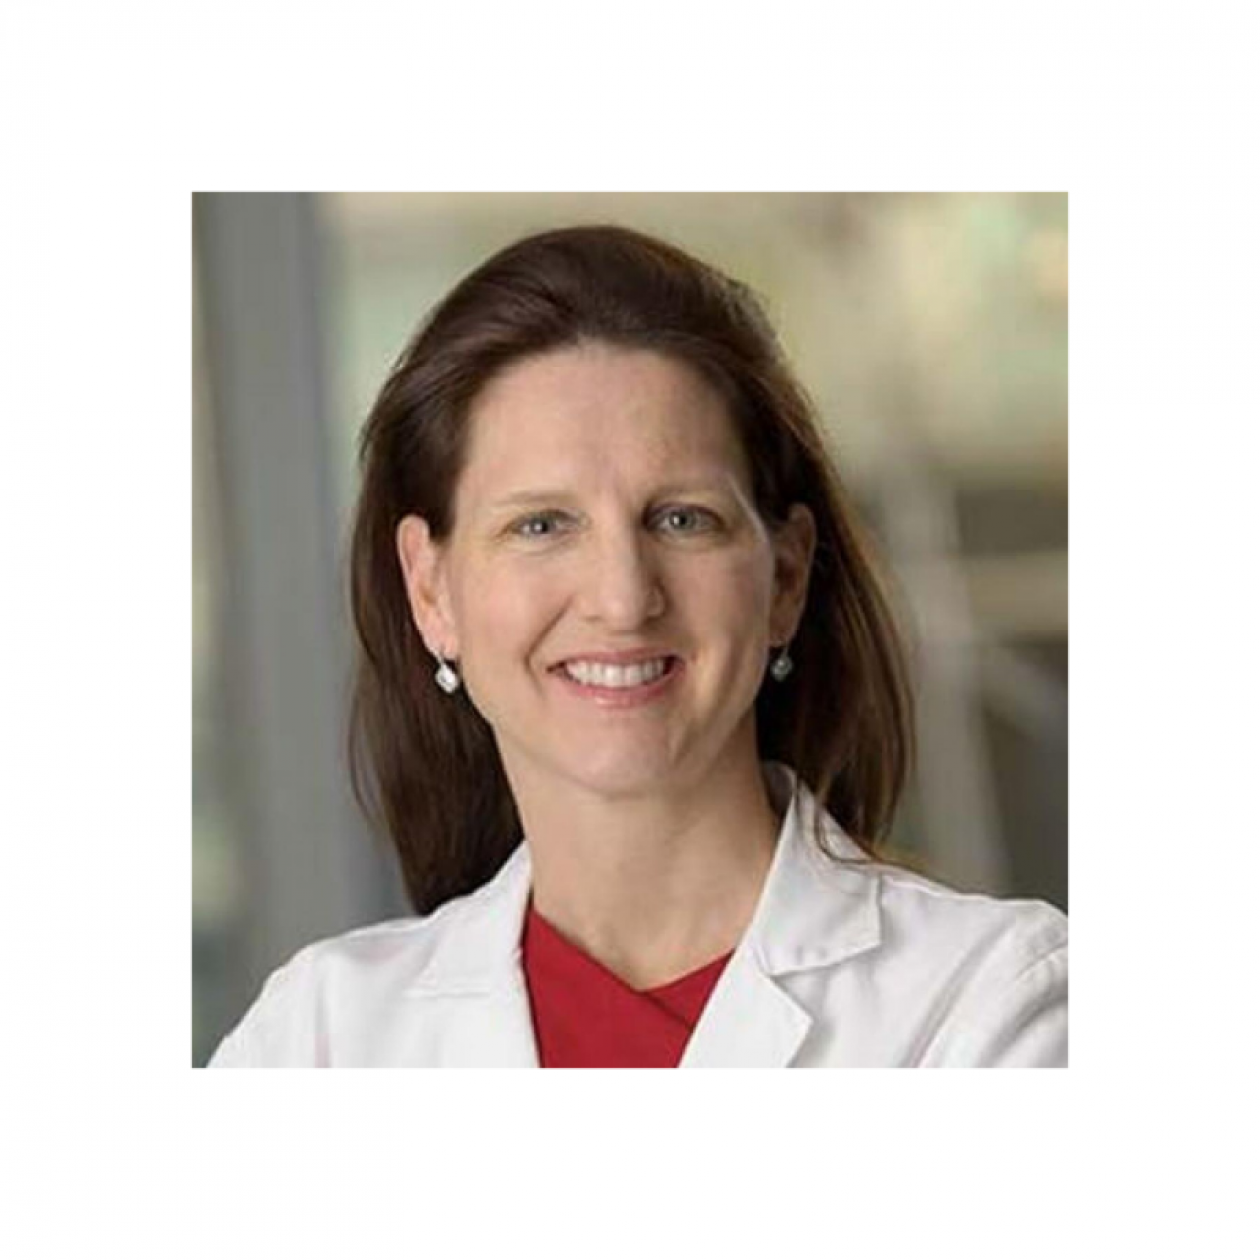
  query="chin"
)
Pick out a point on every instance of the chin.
point(630, 771)
point(619, 776)
point(610, 771)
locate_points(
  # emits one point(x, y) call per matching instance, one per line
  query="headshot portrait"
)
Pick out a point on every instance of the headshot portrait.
point(630, 630)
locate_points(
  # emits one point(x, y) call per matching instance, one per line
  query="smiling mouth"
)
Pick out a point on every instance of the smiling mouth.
point(617, 677)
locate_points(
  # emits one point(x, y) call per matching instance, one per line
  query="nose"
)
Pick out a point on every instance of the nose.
point(622, 587)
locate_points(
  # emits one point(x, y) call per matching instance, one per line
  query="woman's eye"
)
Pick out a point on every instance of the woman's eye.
point(687, 520)
point(539, 525)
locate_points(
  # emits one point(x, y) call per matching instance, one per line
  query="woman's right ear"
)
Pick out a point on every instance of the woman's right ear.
point(424, 575)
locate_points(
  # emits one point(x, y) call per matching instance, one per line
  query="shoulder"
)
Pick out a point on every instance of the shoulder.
point(305, 1004)
point(995, 970)
point(904, 971)
point(913, 920)
point(928, 974)
point(1020, 931)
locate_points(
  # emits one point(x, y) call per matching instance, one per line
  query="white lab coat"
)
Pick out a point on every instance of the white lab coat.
point(842, 965)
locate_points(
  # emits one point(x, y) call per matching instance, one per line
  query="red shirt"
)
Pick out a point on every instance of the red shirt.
point(585, 1016)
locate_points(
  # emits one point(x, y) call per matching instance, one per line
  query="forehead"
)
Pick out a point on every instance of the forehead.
point(595, 414)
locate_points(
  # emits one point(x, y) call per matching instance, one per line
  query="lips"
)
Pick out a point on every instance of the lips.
point(635, 656)
point(600, 674)
point(625, 672)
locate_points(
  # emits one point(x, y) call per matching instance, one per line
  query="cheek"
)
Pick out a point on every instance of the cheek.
point(499, 612)
point(732, 599)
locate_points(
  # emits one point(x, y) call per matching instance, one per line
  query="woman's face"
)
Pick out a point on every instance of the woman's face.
point(604, 531)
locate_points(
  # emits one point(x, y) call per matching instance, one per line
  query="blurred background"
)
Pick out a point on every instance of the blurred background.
point(931, 331)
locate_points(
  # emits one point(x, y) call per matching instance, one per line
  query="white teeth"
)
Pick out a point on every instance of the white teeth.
point(598, 675)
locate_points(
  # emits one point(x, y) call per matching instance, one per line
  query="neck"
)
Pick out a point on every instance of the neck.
point(651, 887)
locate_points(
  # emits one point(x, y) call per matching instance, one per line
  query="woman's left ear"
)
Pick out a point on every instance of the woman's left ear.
point(794, 542)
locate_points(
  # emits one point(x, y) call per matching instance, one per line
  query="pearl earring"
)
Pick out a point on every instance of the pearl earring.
point(781, 666)
point(446, 675)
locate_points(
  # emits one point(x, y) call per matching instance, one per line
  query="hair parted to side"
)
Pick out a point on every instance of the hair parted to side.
point(425, 763)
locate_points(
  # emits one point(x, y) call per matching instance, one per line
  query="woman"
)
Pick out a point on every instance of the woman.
point(631, 706)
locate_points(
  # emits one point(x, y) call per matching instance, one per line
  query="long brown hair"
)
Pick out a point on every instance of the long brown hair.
point(425, 763)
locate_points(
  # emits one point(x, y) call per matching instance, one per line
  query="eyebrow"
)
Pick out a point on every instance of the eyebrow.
point(532, 498)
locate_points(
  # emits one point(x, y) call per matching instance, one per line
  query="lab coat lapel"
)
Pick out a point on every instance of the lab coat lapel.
point(471, 1004)
point(483, 1028)
point(748, 1022)
point(813, 912)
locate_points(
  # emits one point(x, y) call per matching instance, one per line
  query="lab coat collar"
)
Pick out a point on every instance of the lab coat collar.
point(812, 912)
